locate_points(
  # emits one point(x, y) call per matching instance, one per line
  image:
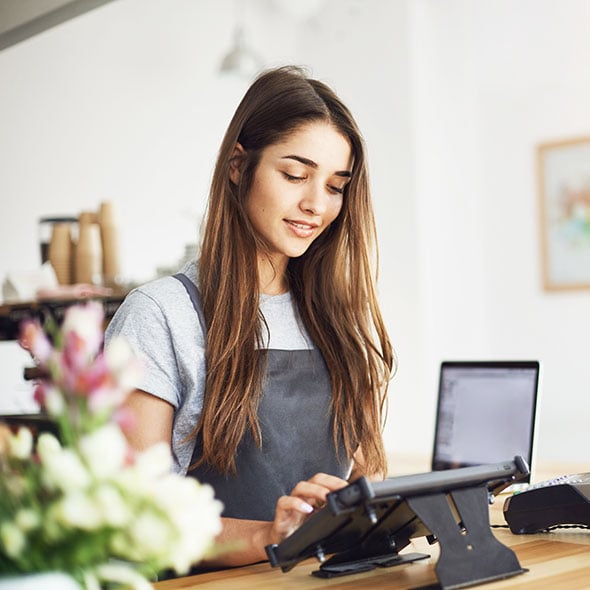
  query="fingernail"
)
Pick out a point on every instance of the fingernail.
point(306, 507)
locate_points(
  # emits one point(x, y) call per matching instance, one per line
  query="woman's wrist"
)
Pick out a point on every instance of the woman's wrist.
point(262, 537)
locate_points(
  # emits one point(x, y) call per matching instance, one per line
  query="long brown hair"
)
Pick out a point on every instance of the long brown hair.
point(333, 283)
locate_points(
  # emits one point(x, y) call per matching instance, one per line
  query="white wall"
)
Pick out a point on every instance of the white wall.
point(492, 80)
point(126, 103)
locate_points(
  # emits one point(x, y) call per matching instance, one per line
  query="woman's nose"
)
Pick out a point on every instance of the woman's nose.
point(314, 200)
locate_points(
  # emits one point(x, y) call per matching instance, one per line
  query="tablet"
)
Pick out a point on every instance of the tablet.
point(367, 523)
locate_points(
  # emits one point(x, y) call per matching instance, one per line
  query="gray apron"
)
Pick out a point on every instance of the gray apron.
point(297, 434)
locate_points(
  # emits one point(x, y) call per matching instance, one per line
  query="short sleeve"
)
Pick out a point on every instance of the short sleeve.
point(141, 321)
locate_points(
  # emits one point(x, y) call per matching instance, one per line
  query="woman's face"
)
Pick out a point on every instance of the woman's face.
point(297, 189)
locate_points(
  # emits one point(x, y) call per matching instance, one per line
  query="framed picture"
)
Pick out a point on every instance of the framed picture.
point(564, 191)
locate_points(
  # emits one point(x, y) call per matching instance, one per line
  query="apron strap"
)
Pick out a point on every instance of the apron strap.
point(296, 424)
point(195, 295)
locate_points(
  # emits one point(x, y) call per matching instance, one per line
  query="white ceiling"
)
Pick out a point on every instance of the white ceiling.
point(21, 19)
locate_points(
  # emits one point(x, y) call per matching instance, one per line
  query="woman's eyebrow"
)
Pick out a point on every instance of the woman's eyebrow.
point(312, 164)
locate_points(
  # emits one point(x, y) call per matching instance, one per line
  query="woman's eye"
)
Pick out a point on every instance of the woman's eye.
point(293, 178)
point(337, 189)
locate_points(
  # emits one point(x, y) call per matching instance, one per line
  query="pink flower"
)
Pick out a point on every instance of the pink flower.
point(87, 323)
point(81, 378)
point(40, 394)
point(125, 418)
point(75, 355)
point(79, 374)
point(105, 398)
point(33, 339)
point(49, 398)
point(94, 376)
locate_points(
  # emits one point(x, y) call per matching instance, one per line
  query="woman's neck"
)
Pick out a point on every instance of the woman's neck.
point(272, 276)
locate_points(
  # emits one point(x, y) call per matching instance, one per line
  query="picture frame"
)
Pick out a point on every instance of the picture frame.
point(564, 195)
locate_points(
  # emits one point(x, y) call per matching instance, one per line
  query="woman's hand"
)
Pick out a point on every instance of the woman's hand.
point(290, 512)
point(306, 497)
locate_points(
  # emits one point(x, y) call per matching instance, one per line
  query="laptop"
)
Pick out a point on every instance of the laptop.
point(485, 413)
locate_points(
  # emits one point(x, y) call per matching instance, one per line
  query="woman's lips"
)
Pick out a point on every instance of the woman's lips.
point(300, 228)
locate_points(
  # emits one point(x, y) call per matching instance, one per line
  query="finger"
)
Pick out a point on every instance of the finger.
point(288, 504)
point(331, 482)
point(310, 492)
point(319, 486)
point(290, 513)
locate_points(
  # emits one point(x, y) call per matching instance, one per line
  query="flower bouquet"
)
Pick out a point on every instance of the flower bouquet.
point(84, 502)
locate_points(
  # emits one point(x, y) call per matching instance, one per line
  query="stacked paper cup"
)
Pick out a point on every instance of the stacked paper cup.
point(94, 257)
point(88, 250)
point(110, 244)
point(61, 252)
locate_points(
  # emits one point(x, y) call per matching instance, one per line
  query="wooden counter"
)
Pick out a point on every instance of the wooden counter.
point(554, 560)
point(559, 559)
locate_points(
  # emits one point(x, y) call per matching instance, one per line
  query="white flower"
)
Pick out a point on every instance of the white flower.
point(12, 538)
point(121, 573)
point(53, 529)
point(114, 509)
point(21, 444)
point(104, 450)
point(90, 580)
point(151, 534)
point(47, 445)
point(27, 519)
point(123, 363)
point(54, 402)
point(154, 462)
point(121, 546)
point(64, 470)
point(77, 509)
point(195, 514)
point(88, 488)
point(87, 322)
point(149, 467)
point(179, 517)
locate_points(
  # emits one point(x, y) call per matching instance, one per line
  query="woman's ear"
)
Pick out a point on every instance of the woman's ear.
point(235, 163)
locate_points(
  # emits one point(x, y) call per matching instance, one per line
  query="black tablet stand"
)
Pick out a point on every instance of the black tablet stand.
point(469, 554)
point(366, 525)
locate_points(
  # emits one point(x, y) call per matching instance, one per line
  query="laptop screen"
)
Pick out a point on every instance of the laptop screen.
point(486, 412)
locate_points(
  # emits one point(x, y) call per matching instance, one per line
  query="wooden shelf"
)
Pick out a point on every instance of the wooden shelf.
point(11, 315)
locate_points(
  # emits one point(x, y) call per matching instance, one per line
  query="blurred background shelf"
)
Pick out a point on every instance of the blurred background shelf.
point(11, 315)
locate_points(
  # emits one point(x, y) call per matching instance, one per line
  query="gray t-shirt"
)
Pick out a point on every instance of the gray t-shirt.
point(159, 322)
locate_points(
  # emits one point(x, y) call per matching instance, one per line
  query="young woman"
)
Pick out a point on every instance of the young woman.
point(267, 360)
